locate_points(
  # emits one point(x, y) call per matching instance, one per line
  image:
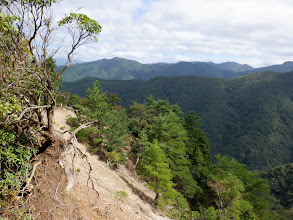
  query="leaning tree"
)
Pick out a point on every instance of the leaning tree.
point(28, 77)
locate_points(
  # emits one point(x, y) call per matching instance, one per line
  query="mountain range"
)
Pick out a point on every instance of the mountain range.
point(123, 69)
point(249, 118)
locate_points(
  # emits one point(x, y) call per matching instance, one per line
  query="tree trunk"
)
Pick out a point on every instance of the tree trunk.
point(157, 197)
point(156, 188)
point(50, 115)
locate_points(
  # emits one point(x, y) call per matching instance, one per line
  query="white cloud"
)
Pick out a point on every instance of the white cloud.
point(256, 32)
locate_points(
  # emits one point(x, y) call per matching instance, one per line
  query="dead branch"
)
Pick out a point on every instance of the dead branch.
point(137, 160)
point(79, 128)
point(28, 109)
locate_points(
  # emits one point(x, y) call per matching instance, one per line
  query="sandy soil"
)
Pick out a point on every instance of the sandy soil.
point(94, 192)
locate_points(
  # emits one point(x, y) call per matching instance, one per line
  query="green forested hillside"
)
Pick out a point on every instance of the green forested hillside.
point(282, 68)
point(259, 130)
point(249, 118)
point(173, 156)
point(281, 179)
point(232, 66)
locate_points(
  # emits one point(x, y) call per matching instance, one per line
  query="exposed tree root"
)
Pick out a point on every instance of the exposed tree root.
point(69, 175)
point(32, 175)
point(72, 141)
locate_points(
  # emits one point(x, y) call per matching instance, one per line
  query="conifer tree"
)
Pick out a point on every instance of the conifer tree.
point(110, 131)
point(154, 167)
point(172, 135)
point(197, 144)
point(160, 120)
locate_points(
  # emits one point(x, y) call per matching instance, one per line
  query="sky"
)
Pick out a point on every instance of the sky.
point(254, 32)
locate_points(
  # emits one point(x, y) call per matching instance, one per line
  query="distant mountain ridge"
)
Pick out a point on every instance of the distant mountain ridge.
point(281, 68)
point(123, 69)
point(232, 66)
point(249, 118)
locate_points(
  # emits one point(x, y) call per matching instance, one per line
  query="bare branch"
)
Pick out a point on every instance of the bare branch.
point(81, 127)
point(30, 108)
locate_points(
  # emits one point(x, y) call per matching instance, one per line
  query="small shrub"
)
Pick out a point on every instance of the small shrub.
point(113, 158)
point(15, 153)
point(121, 195)
point(74, 122)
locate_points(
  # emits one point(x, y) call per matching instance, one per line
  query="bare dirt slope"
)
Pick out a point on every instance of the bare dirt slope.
point(79, 186)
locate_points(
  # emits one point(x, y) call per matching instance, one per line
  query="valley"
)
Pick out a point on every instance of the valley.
point(248, 118)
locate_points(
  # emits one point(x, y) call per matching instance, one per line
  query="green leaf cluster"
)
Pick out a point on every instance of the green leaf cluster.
point(15, 167)
point(85, 25)
point(11, 108)
point(7, 22)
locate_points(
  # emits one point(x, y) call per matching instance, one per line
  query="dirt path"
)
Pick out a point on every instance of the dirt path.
point(95, 188)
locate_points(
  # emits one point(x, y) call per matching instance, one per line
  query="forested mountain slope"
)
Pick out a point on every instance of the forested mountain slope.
point(232, 66)
point(280, 178)
point(249, 118)
point(282, 68)
point(123, 69)
point(50, 170)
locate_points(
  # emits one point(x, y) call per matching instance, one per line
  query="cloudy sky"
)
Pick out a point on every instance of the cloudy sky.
point(255, 32)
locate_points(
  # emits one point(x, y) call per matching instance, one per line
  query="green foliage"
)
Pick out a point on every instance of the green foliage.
point(113, 158)
point(10, 109)
point(51, 71)
point(47, 3)
point(255, 191)
point(281, 179)
point(163, 106)
point(169, 144)
point(154, 167)
point(110, 132)
point(159, 120)
point(15, 164)
point(229, 203)
point(172, 135)
point(88, 28)
point(95, 104)
point(197, 144)
point(142, 118)
point(113, 99)
point(7, 22)
point(28, 85)
point(115, 129)
point(74, 101)
point(62, 98)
